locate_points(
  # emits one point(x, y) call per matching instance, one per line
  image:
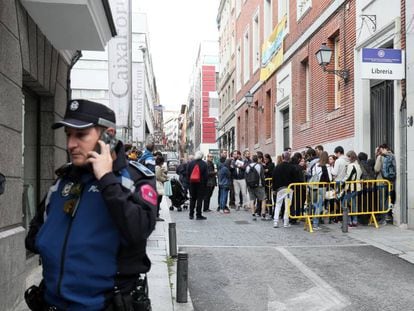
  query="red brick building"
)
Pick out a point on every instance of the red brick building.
point(298, 104)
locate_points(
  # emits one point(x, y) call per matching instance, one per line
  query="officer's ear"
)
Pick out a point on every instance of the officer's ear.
point(111, 131)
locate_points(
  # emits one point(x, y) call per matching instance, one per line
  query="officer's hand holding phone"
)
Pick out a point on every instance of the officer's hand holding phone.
point(101, 157)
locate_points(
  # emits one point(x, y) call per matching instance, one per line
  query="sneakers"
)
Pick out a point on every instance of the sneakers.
point(191, 216)
point(275, 225)
point(254, 217)
point(263, 217)
point(286, 226)
point(316, 228)
point(201, 218)
point(226, 211)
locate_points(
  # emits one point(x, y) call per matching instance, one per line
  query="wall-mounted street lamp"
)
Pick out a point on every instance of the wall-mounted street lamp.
point(249, 99)
point(323, 55)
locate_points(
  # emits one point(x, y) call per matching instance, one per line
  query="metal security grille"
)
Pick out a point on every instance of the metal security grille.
point(382, 115)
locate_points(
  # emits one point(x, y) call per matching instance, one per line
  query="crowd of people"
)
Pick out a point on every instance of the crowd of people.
point(253, 182)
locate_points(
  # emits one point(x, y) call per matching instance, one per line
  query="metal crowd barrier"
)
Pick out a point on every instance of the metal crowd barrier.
point(269, 193)
point(360, 197)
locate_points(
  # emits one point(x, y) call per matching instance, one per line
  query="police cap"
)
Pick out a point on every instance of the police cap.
point(81, 113)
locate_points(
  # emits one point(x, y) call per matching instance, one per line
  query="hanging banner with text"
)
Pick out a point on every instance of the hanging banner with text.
point(119, 63)
point(382, 64)
point(272, 51)
point(138, 103)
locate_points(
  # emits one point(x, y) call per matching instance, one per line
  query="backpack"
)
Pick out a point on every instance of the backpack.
point(322, 176)
point(195, 176)
point(388, 170)
point(253, 177)
point(367, 171)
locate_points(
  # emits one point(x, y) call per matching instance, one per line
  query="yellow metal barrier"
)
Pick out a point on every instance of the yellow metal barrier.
point(362, 197)
point(269, 193)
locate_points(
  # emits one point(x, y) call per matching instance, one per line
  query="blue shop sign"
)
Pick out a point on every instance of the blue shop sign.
point(389, 56)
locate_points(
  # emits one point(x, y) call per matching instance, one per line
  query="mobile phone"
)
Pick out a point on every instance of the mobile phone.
point(107, 139)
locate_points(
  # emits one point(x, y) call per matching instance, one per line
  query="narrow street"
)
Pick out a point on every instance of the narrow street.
point(239, 264)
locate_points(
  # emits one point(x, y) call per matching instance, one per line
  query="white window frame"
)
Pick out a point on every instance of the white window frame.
point(302, 7)
point(238, 67)
point(307, 91)
point(256, 40)
point(337, 79)
point(267, 18)
point(282, 10)
point(246, 56)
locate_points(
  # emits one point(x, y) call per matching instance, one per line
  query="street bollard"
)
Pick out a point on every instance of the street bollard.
point(182, 277)
point(345, 219)
point(172, 239)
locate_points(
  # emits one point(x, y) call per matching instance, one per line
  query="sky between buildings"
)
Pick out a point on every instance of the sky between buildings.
point(176, 28)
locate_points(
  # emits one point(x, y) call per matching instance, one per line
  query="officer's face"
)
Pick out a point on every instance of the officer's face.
point(80, 142)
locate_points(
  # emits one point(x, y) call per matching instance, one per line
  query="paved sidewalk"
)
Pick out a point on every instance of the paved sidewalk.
point(392, 239)
point(162, 276)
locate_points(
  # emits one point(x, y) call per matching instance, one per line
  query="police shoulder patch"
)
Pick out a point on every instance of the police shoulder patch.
point(142, 168)
point(148, 194)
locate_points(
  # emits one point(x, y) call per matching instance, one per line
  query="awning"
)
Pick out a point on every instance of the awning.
point(73, 24)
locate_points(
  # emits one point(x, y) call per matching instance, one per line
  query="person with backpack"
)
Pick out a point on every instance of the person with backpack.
point(255, 182)
point(386, 168)
point(197, 175)
point(147, 157)
point(283, 175)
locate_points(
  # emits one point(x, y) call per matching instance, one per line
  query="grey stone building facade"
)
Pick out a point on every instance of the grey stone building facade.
point(33, 93)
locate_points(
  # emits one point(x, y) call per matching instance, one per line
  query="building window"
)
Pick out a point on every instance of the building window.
point(267, 16)
point(246, 128)
point(256, 122)
point(282, 11)
point(238, 68)
point(302, 7)
point(246, 57)
point(337, 62)
point(238, 8)
point(256, 41)
point(268, 114)
point(307, 91)
point(238, 131)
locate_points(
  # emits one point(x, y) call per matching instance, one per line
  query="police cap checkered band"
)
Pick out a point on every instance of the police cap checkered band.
point(82, 113)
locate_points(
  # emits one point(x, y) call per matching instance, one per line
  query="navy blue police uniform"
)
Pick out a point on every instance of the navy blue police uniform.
point(92, 234)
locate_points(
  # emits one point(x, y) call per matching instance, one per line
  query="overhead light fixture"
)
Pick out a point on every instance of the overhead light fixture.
point(249, 99)
point(323, 55)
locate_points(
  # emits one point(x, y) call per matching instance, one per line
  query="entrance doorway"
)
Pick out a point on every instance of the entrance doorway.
point(382, 115)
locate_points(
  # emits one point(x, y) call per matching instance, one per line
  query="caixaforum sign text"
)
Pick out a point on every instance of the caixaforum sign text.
point(382, 64)
point(119, 58)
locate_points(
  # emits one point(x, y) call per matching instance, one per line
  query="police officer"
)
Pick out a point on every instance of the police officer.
point(91, 229)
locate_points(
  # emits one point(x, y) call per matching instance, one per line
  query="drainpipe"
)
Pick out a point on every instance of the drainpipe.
point(403, 161)
point(73, 61)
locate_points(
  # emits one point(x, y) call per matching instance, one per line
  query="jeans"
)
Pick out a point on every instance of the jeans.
point(224, 191)
point(318, 199)
point(282, 196)
point(351, 198)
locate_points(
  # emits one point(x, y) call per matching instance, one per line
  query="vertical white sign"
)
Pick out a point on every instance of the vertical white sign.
point(119, 57)
point(138, 103)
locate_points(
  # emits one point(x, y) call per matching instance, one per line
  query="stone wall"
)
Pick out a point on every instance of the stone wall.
point(28, 63)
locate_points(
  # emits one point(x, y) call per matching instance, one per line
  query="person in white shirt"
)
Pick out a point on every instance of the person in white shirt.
point(339, 170)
